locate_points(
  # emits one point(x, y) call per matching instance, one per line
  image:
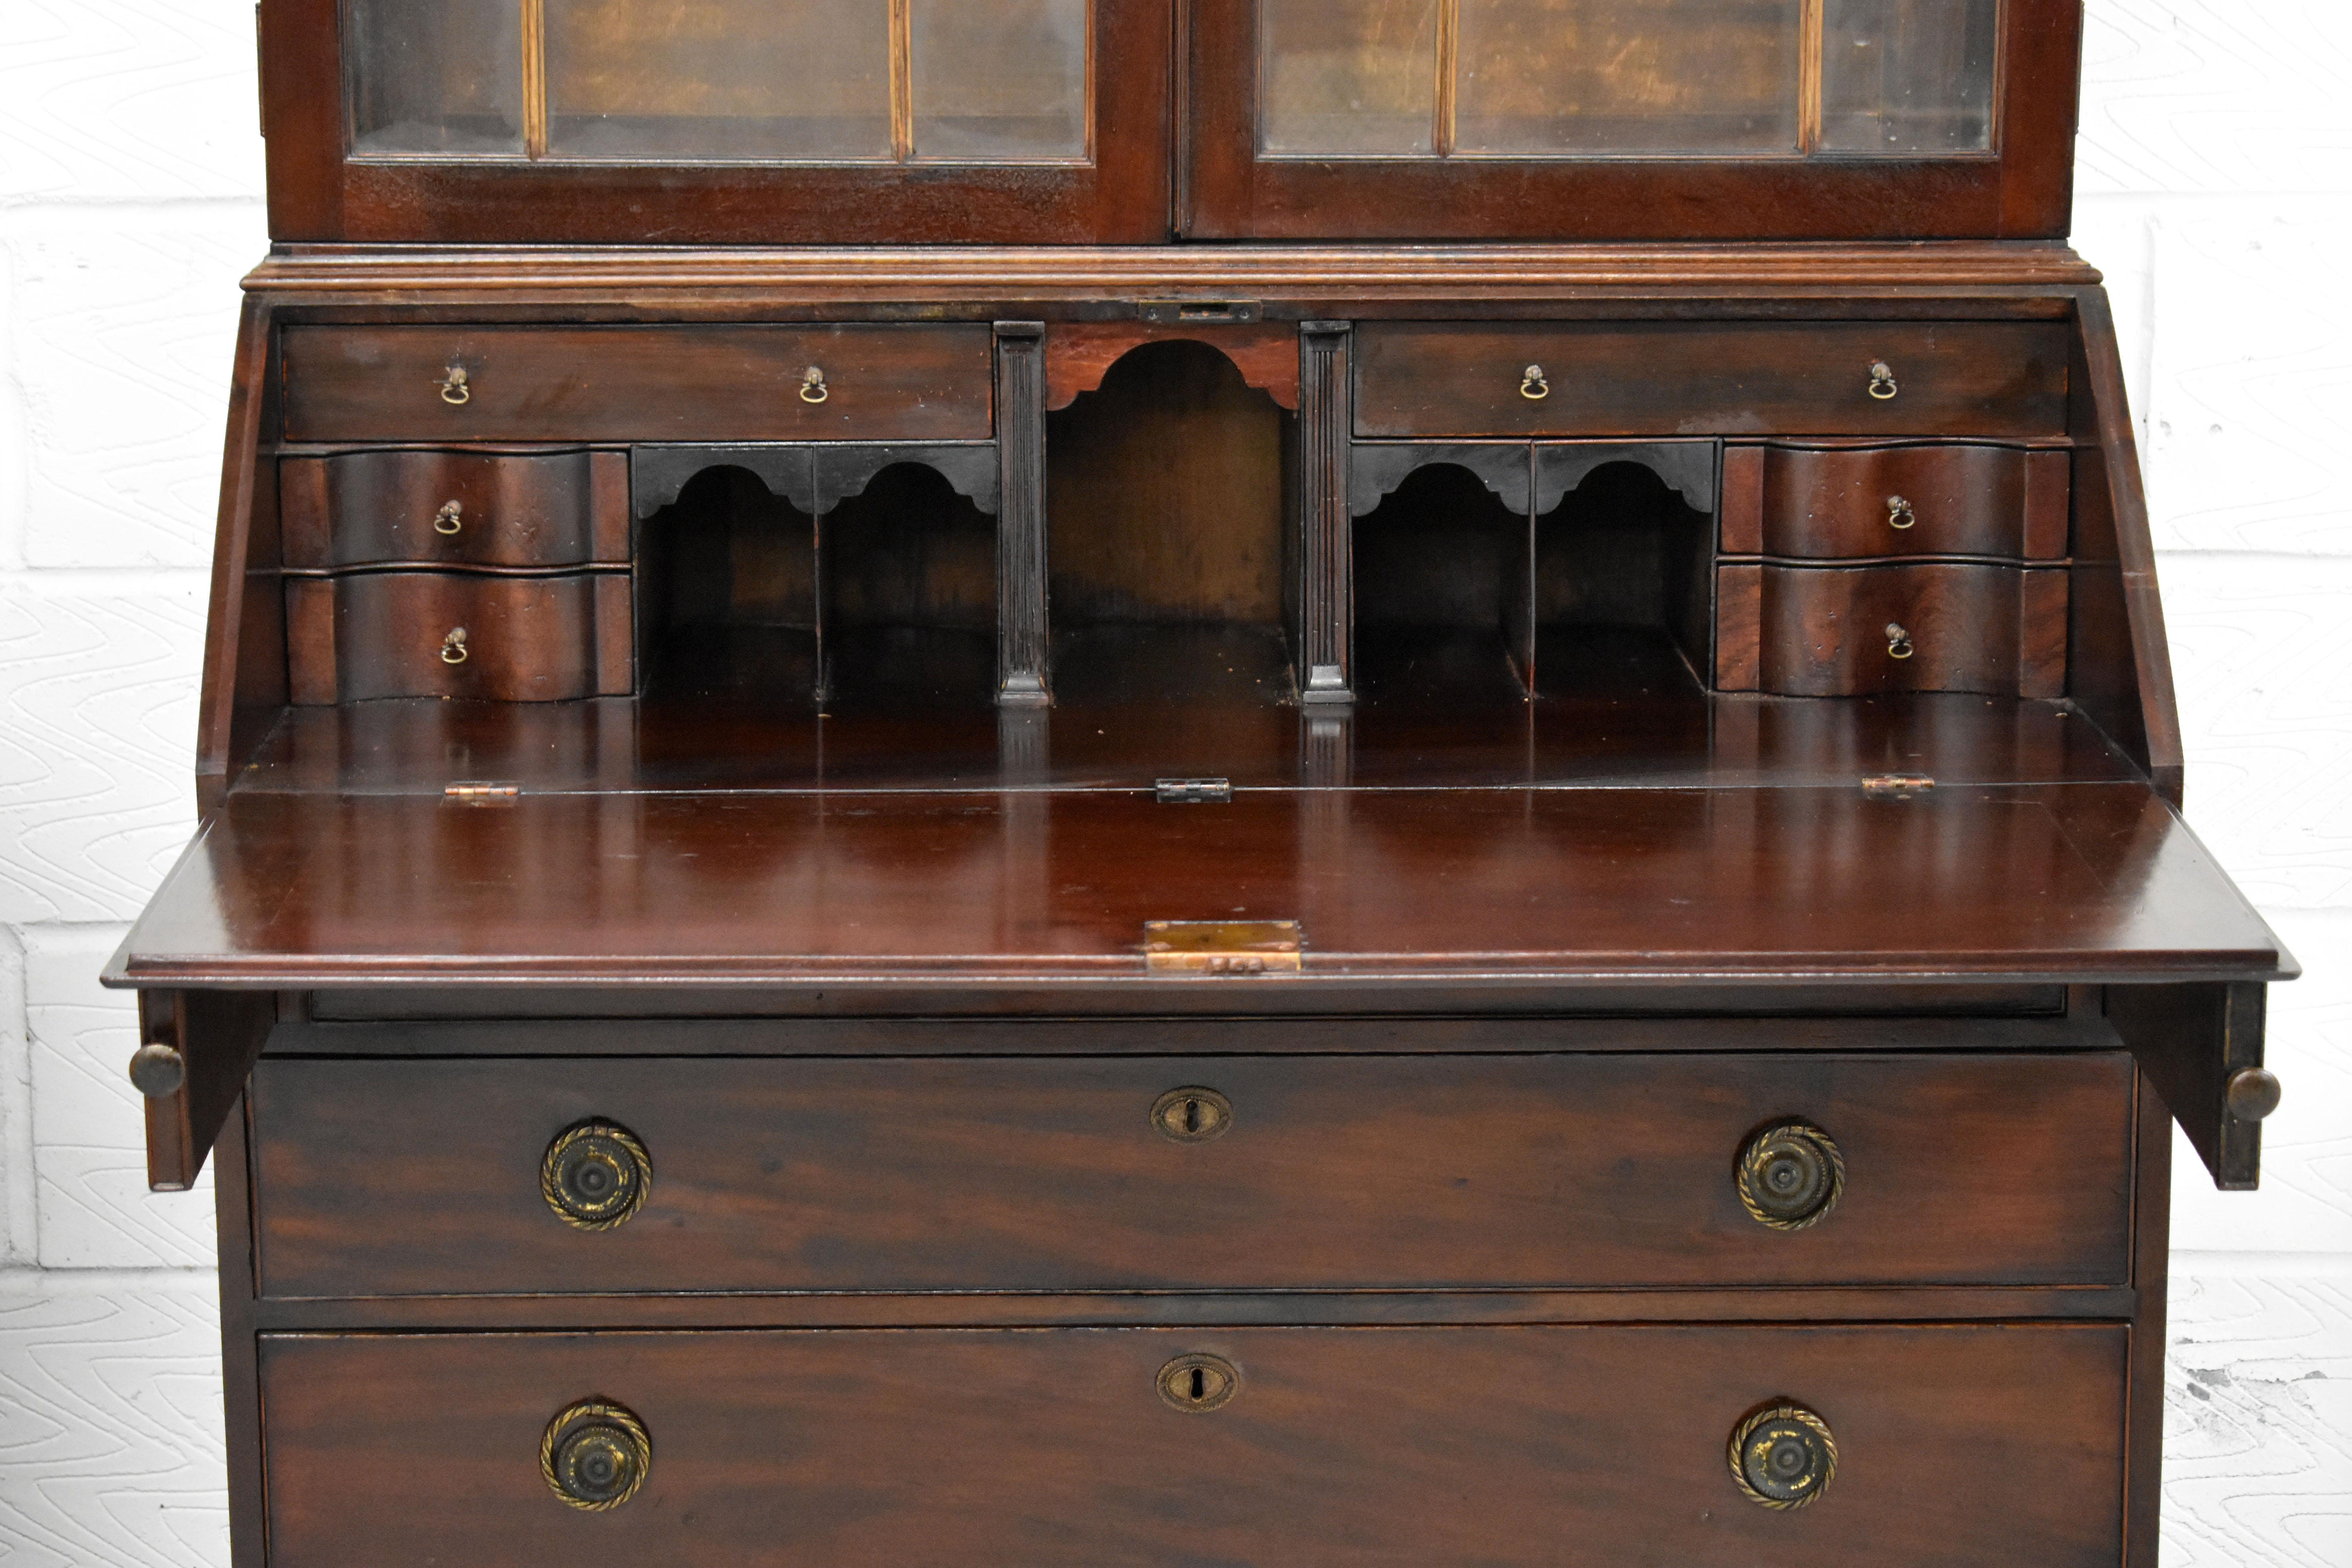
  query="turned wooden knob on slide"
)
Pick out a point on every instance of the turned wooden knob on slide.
point(1790, 1174)
point(596, 1175)
point(595, 1455)
point(1783, 1456)
point(157, 1071)
point(2252, 1094)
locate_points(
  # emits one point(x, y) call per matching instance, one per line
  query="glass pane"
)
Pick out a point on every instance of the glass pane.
point(1349, 77)
point(783, 80)
point(998, 81)
point(1628, 76)
point(1909, 76)
point(435, 76)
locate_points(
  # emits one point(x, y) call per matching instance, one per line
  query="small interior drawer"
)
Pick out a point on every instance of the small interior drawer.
point(1729, 378)
point(455, 508)
point(1162, 1172)
point(1952, 499)
point(670, 382)
point(507, 638)
point(1847, 631)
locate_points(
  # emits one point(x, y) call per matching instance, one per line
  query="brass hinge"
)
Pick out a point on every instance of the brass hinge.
point(1200, 313)
point(1897, 786)
point(1193, 791)
point(481, 791)
point(1220, 947)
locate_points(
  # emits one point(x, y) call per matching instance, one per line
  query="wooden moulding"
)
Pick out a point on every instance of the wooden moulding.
point(1078, 354)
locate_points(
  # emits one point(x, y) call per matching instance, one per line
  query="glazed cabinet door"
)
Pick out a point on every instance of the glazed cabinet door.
point(1630, 118)
point(718, 120)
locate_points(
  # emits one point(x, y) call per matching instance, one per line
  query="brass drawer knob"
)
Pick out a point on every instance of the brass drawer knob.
point(1532, 384)
point(595, 1455)
point(450, 518)
point(1882, 380)
point(1900, 514)
point(1898, 641)
point(455, 390)
point(1198, 1384)
point(1783, 1457)
point(453, 647)
point(813, 388)
point(1791, 1175)
point(1193, 1115)
point(596, 1175)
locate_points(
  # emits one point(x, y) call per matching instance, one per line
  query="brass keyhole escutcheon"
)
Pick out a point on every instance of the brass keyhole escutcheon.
point(1898, 641)
point(454, 389)
point(1783, 1457)
point(1900, 514)
point(1882, 380)
point(595, 1455)
point(453, 647)
point(596, 1175)
point(1790, 1174)
point(1199, 1383)
point(1193, 1115)
point(1532, 384)
point(450, 520)
point(813, 388)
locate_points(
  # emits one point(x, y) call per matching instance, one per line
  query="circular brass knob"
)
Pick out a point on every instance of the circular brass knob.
point(157, 1071)
point(1898, 641)
point(1193, 1115)
point(1532, 384)
point(1198, 1384)
point(455, 390)
point(596, 1175)
point(1900, 514)
point(453, 647)
point(2252, 1093)
point(450, 518)
point(813, 388)
point(595, 1455)
point(1882, 380)
point(1783, 1457)
point(1790, 1174)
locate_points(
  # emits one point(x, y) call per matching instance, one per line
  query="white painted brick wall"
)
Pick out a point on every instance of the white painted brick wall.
point(2216, 190)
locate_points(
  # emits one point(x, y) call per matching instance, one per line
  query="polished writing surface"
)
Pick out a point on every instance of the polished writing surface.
point(2078, 881)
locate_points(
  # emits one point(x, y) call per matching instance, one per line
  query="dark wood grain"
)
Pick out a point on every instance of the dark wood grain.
point(1824, 630)
point(637, 384)
point(243, 681)
point(1964, 499)
point(2151, 1265)
point(1680, 379)
point(1959, 1445)
point(528, 639)
point(2191, 1039)
point(563, 509)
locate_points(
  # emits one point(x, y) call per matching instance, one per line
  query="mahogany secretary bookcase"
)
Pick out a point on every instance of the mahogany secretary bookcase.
point(1231, 781)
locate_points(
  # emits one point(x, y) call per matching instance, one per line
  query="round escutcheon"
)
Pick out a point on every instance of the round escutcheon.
point(595, 1455)
point(1193, 1115)
point(1197, 1384)
point(595, 1174)
point(1783, 1457)
point(1790, 1174)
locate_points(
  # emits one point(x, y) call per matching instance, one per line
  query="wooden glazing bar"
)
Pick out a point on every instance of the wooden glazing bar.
point(1808, 77)
point(902, 79)
point(1449, 60)
point(534, 78)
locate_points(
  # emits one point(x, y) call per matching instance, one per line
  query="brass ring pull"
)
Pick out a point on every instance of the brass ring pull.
point(595, 1174)
point(450, 520)
point(453, 647)
point(454, 388)
point(1898, 641)
point(1791, 1173)
point(1783, 1457)
point(1900, 514)
point(1882, 380)
point(1532, 384)
point(813, 388)
point(595, 1455)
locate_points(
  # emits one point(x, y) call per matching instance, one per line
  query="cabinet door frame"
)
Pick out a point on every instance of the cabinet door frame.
point(320, 193)
point(2022, 191)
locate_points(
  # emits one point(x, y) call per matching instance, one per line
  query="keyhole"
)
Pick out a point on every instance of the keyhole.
point(1200, 1383)
point(1197, 1384)
point(1191, 1115)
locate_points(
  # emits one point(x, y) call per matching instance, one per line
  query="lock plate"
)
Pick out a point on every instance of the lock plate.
point(1222, 947)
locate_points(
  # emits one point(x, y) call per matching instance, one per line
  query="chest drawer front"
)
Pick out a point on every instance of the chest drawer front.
point(1951, 379)
point(1953, 498)
point(1958, 1446)
point(637, 384)
point(455, 508)
point(458, 634)
point(1849, 631)
point(1346, 1172)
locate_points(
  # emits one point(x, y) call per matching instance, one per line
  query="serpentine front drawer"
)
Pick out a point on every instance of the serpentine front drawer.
point(1703, 1445)
point(431, 1176)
